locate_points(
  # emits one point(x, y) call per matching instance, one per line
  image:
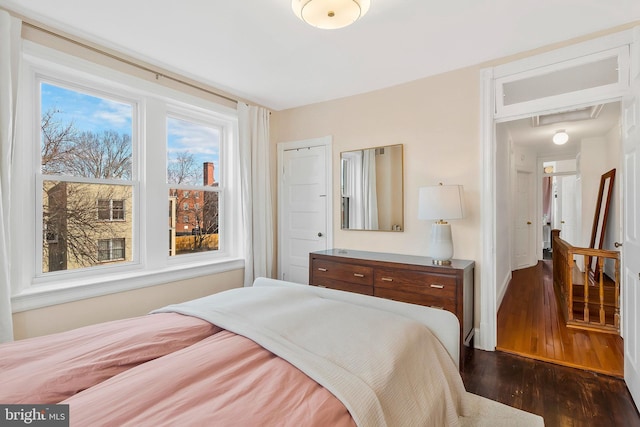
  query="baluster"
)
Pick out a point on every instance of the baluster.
point(601, 270)
point(568, 281)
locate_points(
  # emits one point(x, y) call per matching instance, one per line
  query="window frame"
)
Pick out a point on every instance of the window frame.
point(152, 263)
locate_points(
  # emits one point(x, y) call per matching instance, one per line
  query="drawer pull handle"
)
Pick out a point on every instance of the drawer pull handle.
point(437, 286)
point(358, 274)
point(387, 279)
point(322, 269)
point(438, 307)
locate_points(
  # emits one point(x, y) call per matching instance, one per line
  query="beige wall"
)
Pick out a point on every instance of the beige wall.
point(436, 119)
point(62, 317)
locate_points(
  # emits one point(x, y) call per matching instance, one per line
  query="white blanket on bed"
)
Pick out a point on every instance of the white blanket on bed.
point(386, 369)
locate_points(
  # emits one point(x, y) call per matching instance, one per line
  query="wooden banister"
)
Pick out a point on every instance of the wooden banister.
point(602, 312)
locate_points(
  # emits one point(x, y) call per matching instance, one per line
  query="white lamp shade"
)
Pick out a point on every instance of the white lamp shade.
point(330, 14)
point(440, 202)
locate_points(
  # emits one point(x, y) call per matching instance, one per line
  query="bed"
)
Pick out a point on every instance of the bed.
point(276, 353)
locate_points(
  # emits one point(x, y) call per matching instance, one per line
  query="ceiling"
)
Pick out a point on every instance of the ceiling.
point(538, 138)
point(259, 51)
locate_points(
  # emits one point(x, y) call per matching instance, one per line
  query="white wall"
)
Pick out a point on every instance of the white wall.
point(614, 224)
point(593, 163)
point(504, 212)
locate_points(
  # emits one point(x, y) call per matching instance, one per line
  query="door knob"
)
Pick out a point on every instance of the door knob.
point(528, 222)
point(561, 222)
point(320, 234)
point(617, 244)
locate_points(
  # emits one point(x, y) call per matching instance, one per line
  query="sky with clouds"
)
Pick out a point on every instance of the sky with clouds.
point(96, 114)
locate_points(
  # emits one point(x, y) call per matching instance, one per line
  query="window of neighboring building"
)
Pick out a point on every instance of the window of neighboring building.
point(111, 210)
point(111, 249)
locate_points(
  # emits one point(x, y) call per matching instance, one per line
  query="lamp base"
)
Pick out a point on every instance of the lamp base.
point(441, 249)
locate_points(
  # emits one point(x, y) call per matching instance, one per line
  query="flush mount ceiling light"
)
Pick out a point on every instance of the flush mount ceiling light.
point(330, 14)
point(560, 137)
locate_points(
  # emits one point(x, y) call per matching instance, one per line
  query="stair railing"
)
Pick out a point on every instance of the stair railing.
point(566, 274)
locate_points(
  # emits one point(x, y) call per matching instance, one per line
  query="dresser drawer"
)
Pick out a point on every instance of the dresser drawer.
point(344, 286)
point(417, 298)
point(434, 285)
point(324, 272)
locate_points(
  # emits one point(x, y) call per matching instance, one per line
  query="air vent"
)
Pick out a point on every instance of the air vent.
point(588, 113)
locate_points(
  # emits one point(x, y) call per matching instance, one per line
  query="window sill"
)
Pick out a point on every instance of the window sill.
point(67, 291)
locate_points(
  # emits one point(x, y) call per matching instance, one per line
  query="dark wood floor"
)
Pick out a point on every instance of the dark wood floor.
point(531, 324)
point(563, 396)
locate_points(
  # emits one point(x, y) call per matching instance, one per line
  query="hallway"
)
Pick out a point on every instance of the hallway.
point(530, 324)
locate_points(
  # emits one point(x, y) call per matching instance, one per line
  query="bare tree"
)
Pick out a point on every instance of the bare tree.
point(106, 155)
point(182, 169)
point(57, 143)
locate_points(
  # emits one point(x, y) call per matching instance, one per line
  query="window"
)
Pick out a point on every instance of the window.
point(89, 152)
point(110, 249)
point(111, 210)
point(193, 148)
point(85, 145)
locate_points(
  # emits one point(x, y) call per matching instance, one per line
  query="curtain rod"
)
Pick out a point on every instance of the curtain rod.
point(126, 61)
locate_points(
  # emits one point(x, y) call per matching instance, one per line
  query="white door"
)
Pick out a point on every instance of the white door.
point(304, 214)
point(568, 210)
point(630, 275)
point(524, 224)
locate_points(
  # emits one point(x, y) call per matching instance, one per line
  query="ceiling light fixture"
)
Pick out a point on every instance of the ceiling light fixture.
point(330, 14)
point(560, 137)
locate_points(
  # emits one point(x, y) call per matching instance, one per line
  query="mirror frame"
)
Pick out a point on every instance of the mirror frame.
point(600, 217)
point(342, 181)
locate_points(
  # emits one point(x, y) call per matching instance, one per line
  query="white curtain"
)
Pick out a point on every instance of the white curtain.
point(9, 68)
point(257, 207)
point(369, 190)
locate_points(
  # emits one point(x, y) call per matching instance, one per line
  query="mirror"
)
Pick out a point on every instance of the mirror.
point(371, 189)
point(600, 217)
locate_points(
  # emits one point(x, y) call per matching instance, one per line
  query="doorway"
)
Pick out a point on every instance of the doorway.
point(530, 322)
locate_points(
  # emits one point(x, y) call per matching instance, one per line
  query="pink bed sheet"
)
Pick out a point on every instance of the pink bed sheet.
point(224, 380)
point(52, 368)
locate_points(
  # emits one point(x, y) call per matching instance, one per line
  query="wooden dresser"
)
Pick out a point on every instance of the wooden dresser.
point(406, 278)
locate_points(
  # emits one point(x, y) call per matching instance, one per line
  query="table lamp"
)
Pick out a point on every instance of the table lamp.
point(440, 203)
